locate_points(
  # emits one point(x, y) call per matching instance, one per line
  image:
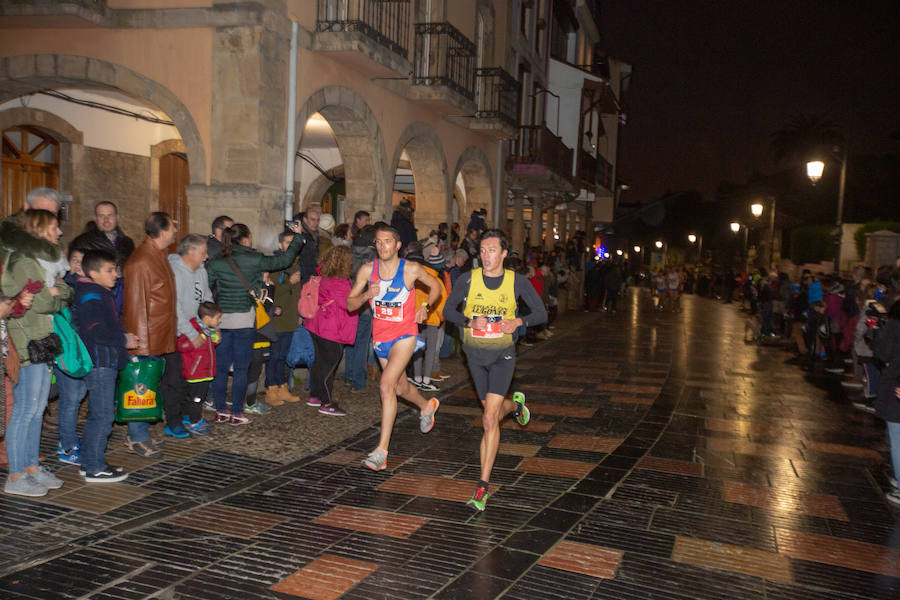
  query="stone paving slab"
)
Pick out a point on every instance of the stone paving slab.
point(671, 463)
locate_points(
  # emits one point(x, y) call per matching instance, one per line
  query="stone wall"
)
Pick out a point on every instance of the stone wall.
point(114, 176)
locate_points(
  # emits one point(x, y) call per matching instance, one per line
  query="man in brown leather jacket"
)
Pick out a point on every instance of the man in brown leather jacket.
point(149, 312)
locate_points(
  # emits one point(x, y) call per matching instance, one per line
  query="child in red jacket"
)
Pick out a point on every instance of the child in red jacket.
point(199, 363)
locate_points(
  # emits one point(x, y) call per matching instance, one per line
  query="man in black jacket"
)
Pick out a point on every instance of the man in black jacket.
point(103, 233)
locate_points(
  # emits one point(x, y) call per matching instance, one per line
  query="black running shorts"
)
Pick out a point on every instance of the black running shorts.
point(493, 377)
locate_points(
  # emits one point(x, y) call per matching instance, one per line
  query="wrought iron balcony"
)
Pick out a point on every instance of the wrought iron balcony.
point(444, 57)
point(384, 21)
point(498, 96)
point(595, 170)
point(538, 145)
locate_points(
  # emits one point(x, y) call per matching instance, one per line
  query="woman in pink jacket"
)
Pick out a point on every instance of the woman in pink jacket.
point(331, 328)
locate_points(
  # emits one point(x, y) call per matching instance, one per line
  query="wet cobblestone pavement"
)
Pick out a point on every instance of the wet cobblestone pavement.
point(665, 459)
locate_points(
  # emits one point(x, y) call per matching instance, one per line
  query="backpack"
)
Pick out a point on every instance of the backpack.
point(308, 305)
point(75, 361)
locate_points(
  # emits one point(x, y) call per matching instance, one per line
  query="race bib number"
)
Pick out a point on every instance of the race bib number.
point(388, 311)
point(491, 330)
point(133, 400)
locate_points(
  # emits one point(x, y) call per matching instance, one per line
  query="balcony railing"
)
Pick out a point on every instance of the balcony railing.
point(498, 95)
point(587, 167)
point(537, 145)
point(444, 57)
point(384, 21)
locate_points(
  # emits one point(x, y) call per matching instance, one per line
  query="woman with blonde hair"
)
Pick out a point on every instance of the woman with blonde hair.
point(331, 328)
point(37, 345)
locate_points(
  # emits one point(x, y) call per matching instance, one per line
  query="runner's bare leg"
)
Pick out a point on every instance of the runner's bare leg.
point(394, 383)
point(496, 407)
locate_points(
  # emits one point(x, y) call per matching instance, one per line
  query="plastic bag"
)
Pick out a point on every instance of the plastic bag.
point(137, 390)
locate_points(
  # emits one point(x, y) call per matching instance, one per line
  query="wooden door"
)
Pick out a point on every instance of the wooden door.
point(173, 178)
point(30, 160)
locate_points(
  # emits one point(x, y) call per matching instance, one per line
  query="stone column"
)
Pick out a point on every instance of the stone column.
point(551, 214)
point(536, 220)
point(517, 235)
point(564, 226)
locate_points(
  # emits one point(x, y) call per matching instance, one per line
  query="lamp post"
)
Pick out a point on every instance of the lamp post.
point(756, 209)
point(814, 170)
point(693, 238)
point(735, 228)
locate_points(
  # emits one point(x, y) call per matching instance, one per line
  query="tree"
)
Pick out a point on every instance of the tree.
point(803, 137)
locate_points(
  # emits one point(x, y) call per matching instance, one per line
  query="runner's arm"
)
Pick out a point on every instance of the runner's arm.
point(526, 291)
point(359, 295)
point(457, 295)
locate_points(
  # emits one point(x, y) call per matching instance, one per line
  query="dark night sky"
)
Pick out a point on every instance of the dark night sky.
point(712, 80)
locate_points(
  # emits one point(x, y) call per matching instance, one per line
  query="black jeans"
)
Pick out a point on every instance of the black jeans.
point(173, 389)
point(196, 393)
point(321, 375)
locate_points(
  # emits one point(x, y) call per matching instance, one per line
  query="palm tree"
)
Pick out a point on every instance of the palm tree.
point(803, 137)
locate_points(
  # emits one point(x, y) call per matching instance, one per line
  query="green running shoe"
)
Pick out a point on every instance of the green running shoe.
point(523, 415)
point(478, 500)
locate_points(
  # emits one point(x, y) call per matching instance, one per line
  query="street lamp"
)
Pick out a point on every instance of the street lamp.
point(692, 238)
point(814, 170)
point(757, 209)
point(736, 227)
point(659, 244)
point(637, 249)
point(618, 253)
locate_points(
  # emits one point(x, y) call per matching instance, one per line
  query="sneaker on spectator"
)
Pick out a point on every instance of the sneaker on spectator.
point(332, 410)
point(179, 431)
point(356, 390)
point(427, 386)
point(200, 428)
point(426, 417)
point(72, 457)
point(240, 419)
point(376, 460)
point(440, 375)
point(209, 404)
point(258, 408)
point(110, 474)
point(313, 401)
point(223, 416)
point(113, 468)
point(26, 485)
point(893, 497)
point(47, 479)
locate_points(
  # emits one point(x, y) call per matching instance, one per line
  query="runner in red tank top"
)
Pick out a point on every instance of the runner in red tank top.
point(389, 290)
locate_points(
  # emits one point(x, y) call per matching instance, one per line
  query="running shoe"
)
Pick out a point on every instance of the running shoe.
point(72, 457)
point(209, 404)
point(479, 498)
point(200, 428)
point(240, 419)
point(523, 415)
point(332, 410)
point(114, 469)
point(426, 417)
point(223, 416)
point(258, 408)
point(427, 386)
point(47, 479)
point(376, 460)
point(440, 375)
point(179, 431)
point(418, 384)
point(313, 401)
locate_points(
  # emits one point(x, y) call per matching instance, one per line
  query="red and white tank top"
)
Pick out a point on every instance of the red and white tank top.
point(394, 308)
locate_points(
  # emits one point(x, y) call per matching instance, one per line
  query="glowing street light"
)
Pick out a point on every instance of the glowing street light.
point(814, 170)
point(735, 227)
point(637, 249)
point(757, 209)
point(692, 238)
point(659, 244)
point(618, 253)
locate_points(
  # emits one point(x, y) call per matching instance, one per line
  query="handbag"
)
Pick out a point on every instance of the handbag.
point(45, 349)
point(264, 323)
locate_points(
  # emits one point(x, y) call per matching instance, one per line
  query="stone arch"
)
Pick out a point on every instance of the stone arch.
point(429, 167)
point(321, 185)
point(475, 170)
point(359, 140)
point(26, 74)
point(68, 137)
